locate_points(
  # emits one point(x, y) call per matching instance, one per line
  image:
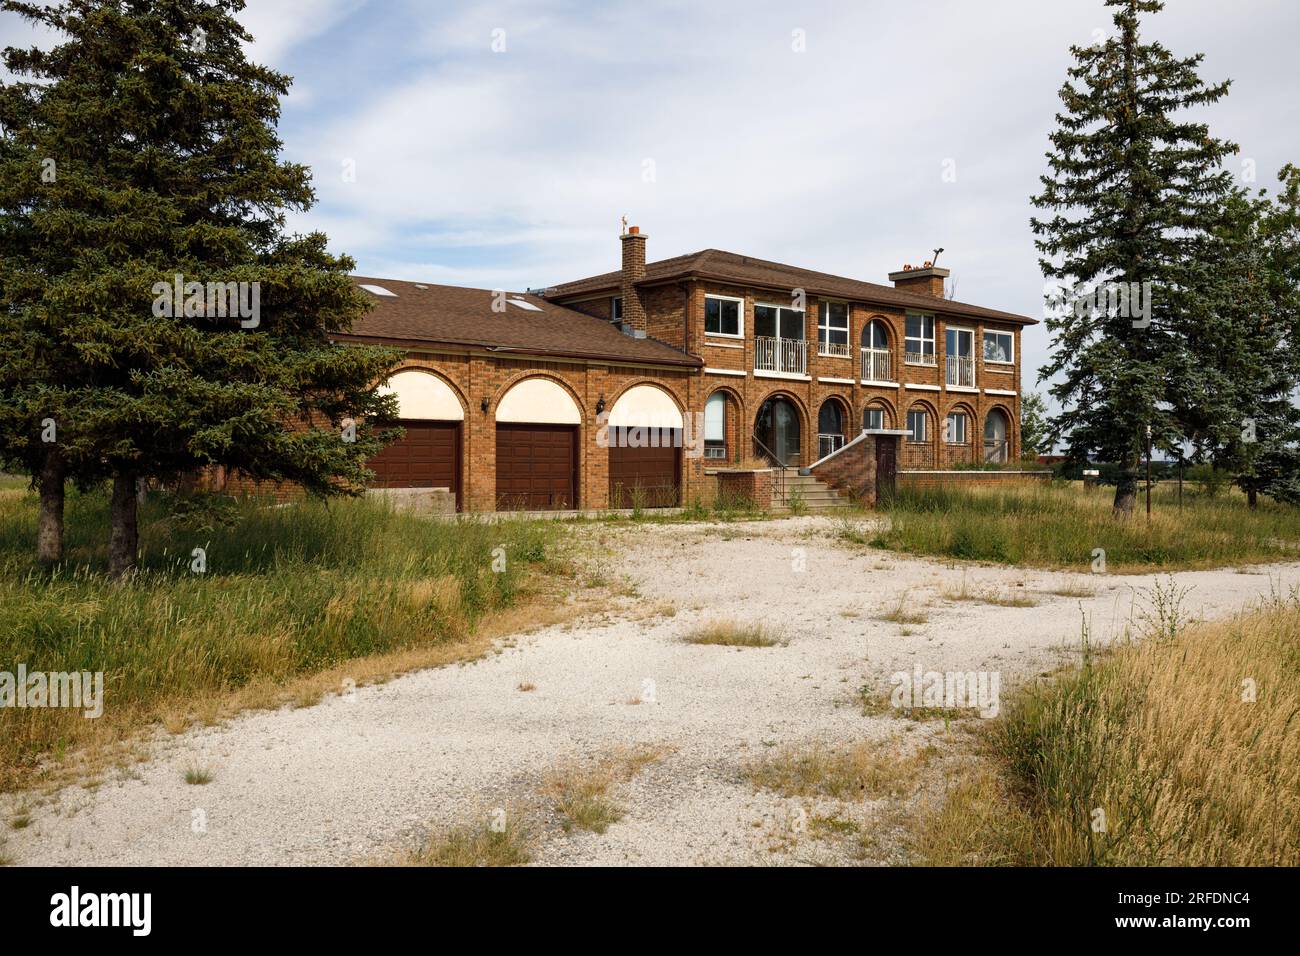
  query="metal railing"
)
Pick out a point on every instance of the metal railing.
point(996, 451)
point(833, 349)
point(875, 365)
point(778, 469)
point(961, 371)
point(772, 354)
point(827, 444)
point(920, 358)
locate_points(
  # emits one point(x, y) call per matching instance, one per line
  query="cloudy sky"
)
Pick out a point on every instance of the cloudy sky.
point(497, 144)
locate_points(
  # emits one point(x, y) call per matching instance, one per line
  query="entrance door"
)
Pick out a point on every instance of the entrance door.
point(886, 465)
point(537, 467)
point(777, 432)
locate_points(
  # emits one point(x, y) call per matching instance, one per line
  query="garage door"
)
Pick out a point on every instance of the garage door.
point(537, 467)
point(646, 477)
point(427, 457)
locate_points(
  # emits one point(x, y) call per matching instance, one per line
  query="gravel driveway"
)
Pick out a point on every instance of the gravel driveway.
point(356, 777)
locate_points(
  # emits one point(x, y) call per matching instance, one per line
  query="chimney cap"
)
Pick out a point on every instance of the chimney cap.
point(920, 272)
point(634, 232)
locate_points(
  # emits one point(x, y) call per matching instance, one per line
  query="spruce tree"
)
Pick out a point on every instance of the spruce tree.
point(141, 148)
point(1133, 188)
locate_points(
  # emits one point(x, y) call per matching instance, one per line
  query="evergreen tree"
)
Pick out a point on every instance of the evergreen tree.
point(1034, 438)
point(1252, 429)
point(141, 148)
point(1133, 189)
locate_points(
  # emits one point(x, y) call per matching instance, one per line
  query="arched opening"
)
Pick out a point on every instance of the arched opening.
point(877, 415)
point(718, 417)
point(997, 431)
point(537, 447)
point(777, 432)
point(918, 446)
point(644, 432)
point(830, 428)
point(876, 366)
point(428, 453)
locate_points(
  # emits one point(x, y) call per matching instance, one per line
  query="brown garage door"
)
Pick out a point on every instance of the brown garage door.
point(645, 477)
point(537, 467)
point(427, 457)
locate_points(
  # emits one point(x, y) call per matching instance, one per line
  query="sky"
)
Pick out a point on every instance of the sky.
point(498, 144)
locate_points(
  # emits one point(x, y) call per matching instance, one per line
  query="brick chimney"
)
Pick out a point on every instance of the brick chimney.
point(927, 279)
point(634, 320)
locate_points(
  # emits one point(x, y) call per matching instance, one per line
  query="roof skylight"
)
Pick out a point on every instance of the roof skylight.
point(524, 304)
point(378, 290)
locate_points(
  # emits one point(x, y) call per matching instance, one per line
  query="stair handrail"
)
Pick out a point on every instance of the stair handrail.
point(780, 470)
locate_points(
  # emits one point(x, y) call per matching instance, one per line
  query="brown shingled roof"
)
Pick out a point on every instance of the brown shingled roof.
point(745, 270)
point(421, 313)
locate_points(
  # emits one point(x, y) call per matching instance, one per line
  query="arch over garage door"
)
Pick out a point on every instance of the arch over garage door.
point(538, 401)
point(423, 396)
point(645, 406)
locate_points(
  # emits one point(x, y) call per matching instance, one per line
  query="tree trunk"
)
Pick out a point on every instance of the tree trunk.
point(1125, 491)
point(49, 524)
point(1252, 497)
point(123, 541)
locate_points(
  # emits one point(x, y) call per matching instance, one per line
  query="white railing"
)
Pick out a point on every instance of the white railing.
point(995, 451)
point(875, 365)
point(835, 349)
point(920, 358)
point(827, 444)
point(773, 354)
point(961, 370)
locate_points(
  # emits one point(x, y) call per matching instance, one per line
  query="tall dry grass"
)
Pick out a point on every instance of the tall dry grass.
point(1157, 755)
point(1062, 525)
point(288, 591)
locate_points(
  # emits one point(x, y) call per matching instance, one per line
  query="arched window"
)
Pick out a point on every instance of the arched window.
point(875, 352)
point(918, 423)
point(875, 416)
point(830, 427)
point(996, 431)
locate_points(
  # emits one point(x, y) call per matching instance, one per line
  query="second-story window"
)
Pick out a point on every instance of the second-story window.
point(833, 329)
point(920, 339)
point(999, 347)
point(722, 316)
point(616, 309)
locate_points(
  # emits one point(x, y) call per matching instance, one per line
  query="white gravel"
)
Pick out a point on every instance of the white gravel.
point(356, 777)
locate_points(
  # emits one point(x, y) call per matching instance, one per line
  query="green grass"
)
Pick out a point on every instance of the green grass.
point(507, 845)
point(288, 591)
point(1062, 526)
point(729, 633)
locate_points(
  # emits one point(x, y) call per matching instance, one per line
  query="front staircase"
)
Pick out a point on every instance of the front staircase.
point(815, 494)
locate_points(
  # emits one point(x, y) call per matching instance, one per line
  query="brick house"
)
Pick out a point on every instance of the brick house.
point(640, 384)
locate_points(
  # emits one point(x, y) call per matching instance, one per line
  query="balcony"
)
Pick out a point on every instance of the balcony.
point(920, 358)
point(784, 356)
point(834, 349)
point(875, 365)
point(961, 371)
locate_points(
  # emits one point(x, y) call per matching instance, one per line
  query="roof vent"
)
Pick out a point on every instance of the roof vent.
point(378, 290)
point(420, 285)
point(524, 304)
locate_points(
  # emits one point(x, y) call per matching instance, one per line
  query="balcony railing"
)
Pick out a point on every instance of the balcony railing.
point(920, 358)
point(961, 370)
point(773, 354)
point(835, 349)
point(996, 451)
point(875, 365)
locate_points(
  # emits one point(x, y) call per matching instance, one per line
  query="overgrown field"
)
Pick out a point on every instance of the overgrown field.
point(287, 591)
point(1182, 749)
point(1064, 525)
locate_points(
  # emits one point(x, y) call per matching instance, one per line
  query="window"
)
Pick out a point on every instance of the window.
point(616, 309)
point(920, 339)
point(778, 322)
point(833, 329)
point(916, 420)
point(875, 335)
point(999, 347)
point(873, 417)
point(722, 316)
point(954, 429)
point(715, 426)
